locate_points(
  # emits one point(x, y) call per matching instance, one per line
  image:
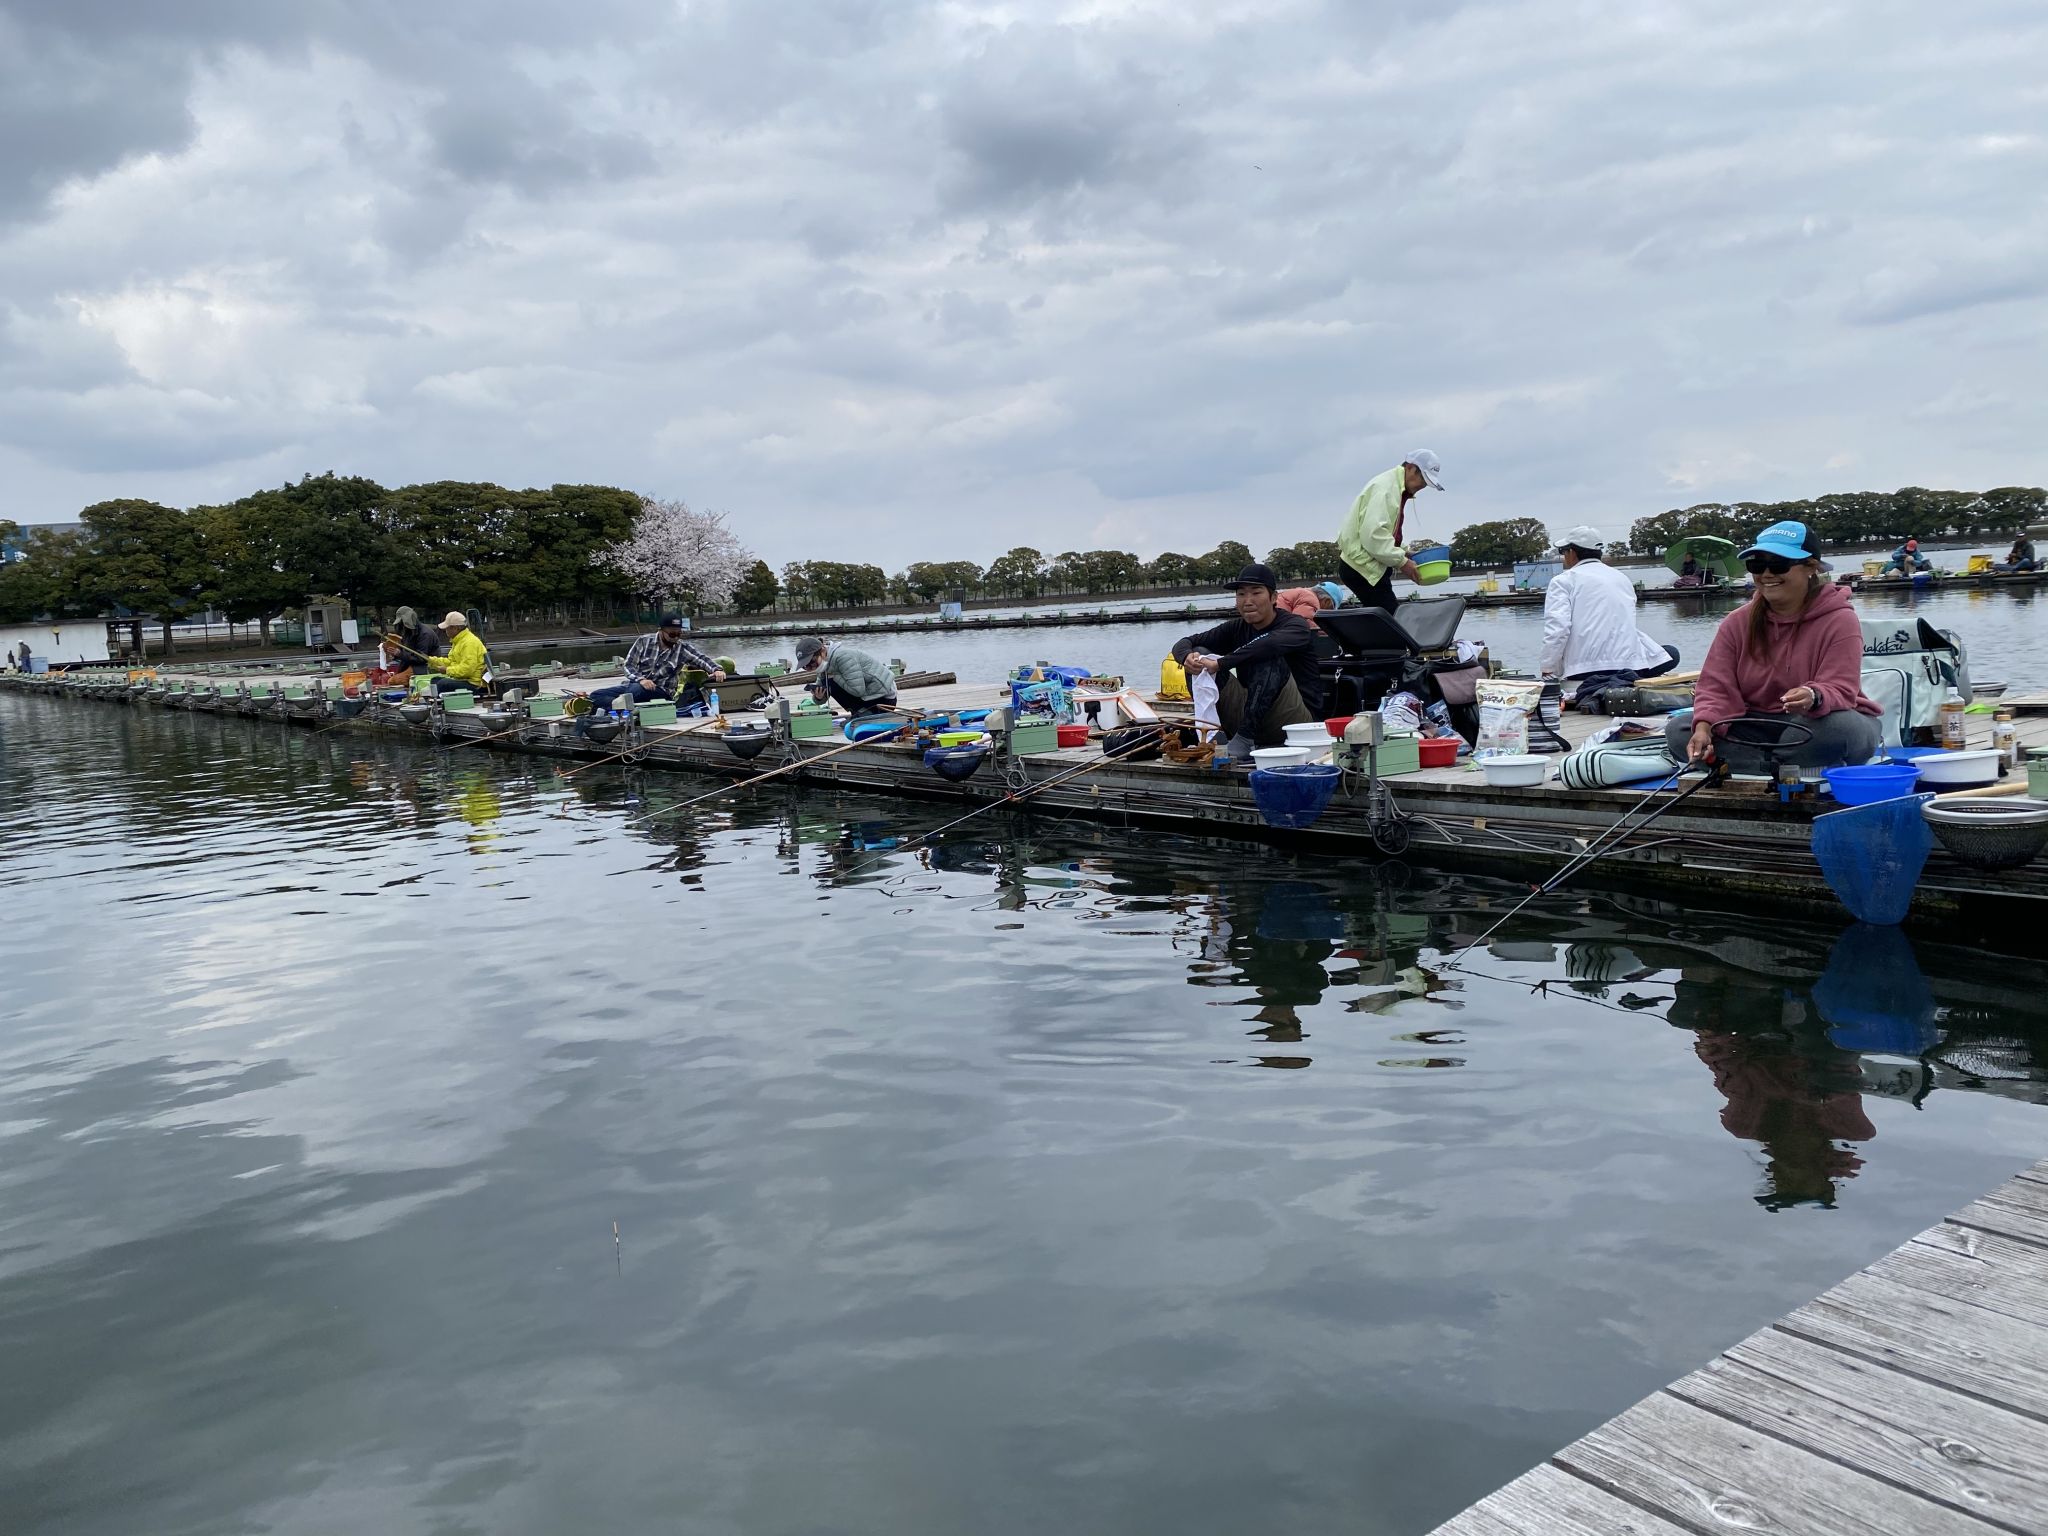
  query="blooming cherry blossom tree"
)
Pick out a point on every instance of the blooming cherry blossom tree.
point(678, 554)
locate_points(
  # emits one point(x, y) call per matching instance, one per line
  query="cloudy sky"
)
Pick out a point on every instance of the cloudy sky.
point(897, 281)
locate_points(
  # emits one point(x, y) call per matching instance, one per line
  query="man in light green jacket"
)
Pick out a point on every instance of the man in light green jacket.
point(1369, 544)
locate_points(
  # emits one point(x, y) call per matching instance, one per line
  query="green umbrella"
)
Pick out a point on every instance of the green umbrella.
point(1715, 556)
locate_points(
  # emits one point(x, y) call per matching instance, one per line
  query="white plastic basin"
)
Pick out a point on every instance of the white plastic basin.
point(1523, 768)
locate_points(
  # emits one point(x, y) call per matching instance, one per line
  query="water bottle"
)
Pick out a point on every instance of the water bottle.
point(711, 703)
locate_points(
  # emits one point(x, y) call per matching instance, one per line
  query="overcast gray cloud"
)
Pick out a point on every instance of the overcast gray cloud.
point(896, 280)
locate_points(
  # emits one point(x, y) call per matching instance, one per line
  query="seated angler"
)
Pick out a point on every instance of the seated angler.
point(1590, 637)
point(1264, 662)
point(1907, 560)
point(467, 666)
point(1307, 602)
point(1783, 678)
point(654, 669)
point(850, 678)
point(2020, 559)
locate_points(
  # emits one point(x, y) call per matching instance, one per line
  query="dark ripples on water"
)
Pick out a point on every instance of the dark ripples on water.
point(954, 1192)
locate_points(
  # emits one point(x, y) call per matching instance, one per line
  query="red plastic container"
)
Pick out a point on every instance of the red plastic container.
point(1336, 727)
point(1073, 735)
point(1438, 751)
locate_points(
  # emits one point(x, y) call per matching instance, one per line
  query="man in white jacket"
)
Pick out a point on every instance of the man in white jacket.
point(1589, 624)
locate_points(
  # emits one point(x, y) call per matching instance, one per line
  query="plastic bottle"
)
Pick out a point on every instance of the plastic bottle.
point(2005, 737)
point(1952, 721)
point(711, 703)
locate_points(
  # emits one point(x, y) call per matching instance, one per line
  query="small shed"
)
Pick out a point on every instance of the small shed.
point(58, 642)
point(328, 623)
point(1534, 575)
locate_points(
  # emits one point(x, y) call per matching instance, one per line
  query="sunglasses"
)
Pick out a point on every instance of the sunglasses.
point(1756, 565)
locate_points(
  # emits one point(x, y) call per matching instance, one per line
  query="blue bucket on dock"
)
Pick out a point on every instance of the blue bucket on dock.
point(1872, 856)
point(1295, 796)
point(1868, 783)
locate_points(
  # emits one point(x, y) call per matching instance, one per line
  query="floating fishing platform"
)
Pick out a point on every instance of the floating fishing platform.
point(1732, 842)
point(1910, 1400)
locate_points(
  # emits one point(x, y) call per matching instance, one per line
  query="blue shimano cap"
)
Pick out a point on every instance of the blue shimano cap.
point(1788, 541)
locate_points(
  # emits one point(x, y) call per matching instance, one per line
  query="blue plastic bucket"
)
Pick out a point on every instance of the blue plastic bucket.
point(1294, 796)
point(1871, 782)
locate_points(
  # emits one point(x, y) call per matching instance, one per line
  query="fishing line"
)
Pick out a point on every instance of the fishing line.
point(1604, 843)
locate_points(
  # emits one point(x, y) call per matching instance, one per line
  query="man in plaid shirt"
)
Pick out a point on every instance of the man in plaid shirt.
point(655, 665)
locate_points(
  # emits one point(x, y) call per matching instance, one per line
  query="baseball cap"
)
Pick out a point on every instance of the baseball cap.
point(1337, 594)
point(1788, 541)
point(1432, 467)
point(670, 621)
point(1584, 536)
point(1255, 575)
point(456, 619)
point(808, 650)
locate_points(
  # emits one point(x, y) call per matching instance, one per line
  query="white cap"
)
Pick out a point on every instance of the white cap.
point(1429, 464)
point(1585, 536)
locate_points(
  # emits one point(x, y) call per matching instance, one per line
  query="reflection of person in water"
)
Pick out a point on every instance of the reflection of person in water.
point(1788, 1087)
point(1276, 939)
point(1784, 1102)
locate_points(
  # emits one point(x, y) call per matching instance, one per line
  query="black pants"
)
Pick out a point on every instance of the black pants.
point(1258, 701)
point(853, 706)
point(1591, 685)
point(446, 684)
point(1371, 594)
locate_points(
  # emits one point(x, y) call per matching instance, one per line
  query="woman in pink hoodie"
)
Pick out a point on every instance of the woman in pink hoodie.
point(1791, 655)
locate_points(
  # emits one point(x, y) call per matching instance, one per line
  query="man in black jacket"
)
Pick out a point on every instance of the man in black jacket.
point(1265, 666)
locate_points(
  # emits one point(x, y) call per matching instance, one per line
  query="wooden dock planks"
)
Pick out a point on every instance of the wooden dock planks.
point(1910, 1400)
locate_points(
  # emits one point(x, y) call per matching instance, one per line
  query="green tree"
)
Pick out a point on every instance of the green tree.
point(757, 589)
point(244, 547)
point(1499, 543)
point(928, 580)
point(1019, 573)
point(145, 557)
point(1310, 560)
point(1225, 561)
point(1173, 569)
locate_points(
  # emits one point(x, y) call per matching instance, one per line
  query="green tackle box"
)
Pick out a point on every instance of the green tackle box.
point(655, 712)
point(458, 701)
point(548, 708)
point(1041, 736)
point(809, 724)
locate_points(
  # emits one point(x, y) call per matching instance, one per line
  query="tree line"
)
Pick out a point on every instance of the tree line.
point(445, 544)
point(1853, 517)
point(585, 549)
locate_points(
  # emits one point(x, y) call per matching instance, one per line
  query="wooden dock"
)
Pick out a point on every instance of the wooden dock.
point(1735, 842)
point(1910, 1400)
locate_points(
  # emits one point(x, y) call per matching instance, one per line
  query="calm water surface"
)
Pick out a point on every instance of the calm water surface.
point(1066, 1178)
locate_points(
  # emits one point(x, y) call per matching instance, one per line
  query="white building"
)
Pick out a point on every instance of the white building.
point(61, 642)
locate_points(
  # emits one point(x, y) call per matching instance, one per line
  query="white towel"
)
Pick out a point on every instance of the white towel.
point(1208, 725)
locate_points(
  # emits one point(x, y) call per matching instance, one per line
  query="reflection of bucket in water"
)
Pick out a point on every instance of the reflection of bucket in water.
point(1873, 996)
point(1300, 912)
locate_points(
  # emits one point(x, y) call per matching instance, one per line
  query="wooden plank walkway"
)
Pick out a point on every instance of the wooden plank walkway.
point(1910, 1400)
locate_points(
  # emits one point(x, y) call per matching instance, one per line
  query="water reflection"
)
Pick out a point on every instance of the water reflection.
point(327, 1064)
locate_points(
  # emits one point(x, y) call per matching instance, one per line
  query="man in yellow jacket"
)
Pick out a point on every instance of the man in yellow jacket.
point(1369, 546)
point(467, 665)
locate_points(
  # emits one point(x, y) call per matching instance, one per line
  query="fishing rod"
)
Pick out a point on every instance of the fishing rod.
point(1711, 773)
point(1031, 791)
point(759, 778)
